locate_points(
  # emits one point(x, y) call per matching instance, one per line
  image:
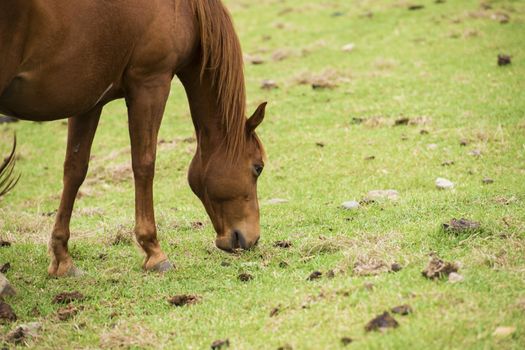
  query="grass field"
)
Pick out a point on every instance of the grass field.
point(436, 66)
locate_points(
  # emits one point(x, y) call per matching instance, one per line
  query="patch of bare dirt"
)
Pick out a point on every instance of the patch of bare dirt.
point(382, 323)
point(68, 297)
point(438, 268)
point(183, 299)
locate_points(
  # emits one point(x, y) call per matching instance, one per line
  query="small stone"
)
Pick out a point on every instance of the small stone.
point(402, 310)
point(5, 287)
point(314, 276)
point(351, 205)
point(269, 85)
point(488, 181)
point(277, 201)
point(444, 184)
point(455, 277)
point(502, 332)
point(255, 60)
point(463, 142)
point(348, 47)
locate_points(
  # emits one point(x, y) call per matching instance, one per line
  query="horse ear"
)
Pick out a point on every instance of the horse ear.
point(253, 122)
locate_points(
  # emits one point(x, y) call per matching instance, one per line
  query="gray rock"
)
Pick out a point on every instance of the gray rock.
point(5, 287)
point(351, 205)
point(444, 184)
point(455, 277)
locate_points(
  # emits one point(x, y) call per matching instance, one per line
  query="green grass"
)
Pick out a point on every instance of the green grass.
point(437, 64)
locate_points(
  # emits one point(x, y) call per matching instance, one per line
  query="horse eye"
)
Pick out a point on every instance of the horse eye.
point(257, 170)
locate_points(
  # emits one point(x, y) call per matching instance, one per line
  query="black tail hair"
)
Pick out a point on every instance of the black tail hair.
point(7, 179)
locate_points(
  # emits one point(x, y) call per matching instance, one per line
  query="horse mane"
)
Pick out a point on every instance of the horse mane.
point(222, 58)
point(7, 181)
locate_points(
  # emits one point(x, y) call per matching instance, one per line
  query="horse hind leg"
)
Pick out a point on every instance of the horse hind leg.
point(81, 131)
point(146, 103)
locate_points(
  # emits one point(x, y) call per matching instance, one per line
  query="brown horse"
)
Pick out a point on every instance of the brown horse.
point(62, 59)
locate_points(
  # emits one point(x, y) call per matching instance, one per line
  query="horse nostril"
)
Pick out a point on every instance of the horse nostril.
point(236, 239)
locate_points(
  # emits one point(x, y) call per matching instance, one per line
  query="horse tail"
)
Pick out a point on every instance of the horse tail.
point(7, 179)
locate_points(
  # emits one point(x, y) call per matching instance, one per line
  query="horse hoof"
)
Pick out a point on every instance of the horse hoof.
point(163, 266)
point(75, 272)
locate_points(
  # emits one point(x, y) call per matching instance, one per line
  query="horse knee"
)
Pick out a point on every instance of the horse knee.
point(144, 169)
point(145, 235)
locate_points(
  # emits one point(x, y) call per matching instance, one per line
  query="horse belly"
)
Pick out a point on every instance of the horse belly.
point(40, 96)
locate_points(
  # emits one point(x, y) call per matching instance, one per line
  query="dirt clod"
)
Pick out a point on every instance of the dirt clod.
point(283, 244)
point(401, 121)
point(275, 311)
point(487, 181)
point(395, 267)
point(346, 341)
point(438, 268)
point(269, 85)
point(65, 313)
point(5, 267)
point(220, 344)
point(184, 299)
point(4, 243)
point(504, 60)
point(314, 275)
point(402, 310)
point(6, 313)
point(245, 277)
point(68, 297)
point(461, 226)
point(415, 7)
point(382, 323)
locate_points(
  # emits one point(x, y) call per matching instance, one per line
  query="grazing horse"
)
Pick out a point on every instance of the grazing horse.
point(67, 59)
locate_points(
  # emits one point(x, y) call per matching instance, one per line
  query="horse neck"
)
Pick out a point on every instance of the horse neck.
point(205, 110)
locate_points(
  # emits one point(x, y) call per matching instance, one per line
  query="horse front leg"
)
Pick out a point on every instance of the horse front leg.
point(146, 102)
point(81, 130)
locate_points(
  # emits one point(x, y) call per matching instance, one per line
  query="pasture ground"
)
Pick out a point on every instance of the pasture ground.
point(436, 66)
